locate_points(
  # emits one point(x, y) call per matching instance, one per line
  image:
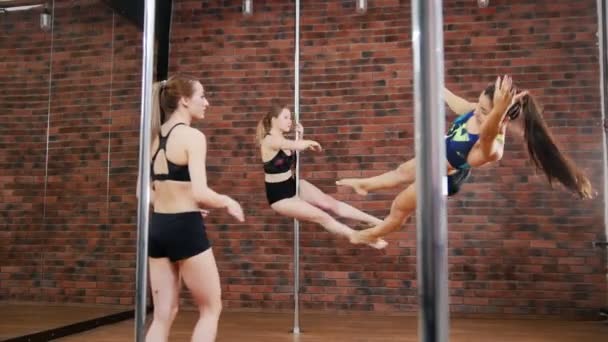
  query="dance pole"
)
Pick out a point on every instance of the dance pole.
point(296, 223)
point(144, 170)
point(602, 34)
point(427, 37)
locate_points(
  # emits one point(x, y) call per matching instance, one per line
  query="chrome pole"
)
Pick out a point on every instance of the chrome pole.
point(427, 36)
point(296, 223)
point(602, 36)
point(144, 169)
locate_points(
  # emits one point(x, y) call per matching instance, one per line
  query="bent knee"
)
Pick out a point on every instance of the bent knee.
point(213, 307)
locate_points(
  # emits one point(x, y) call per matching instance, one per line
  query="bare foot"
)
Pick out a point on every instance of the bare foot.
point(354, 183)
point(363, 237)
point(379, 244)
point(367, 238)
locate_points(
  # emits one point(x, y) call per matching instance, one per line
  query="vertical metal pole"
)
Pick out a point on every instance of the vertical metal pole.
point(144, 169)
point(48, 136)
point(602, 35)
point(427, 36)
point(296, 223)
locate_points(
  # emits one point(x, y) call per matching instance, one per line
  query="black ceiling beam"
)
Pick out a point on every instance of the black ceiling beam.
point(133, 10)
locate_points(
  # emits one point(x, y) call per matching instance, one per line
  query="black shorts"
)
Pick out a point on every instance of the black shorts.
point(456, 180)
point(177, 236)
point(280, 190)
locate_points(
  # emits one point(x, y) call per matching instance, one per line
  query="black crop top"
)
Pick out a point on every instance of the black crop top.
point(178, 173)
point(280, 163)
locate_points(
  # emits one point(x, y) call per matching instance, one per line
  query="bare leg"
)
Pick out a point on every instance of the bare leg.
point(304, 211)
point(316, 197)
point(164, 281)
point(202, 279)
point(405, 173)
point(402, 208)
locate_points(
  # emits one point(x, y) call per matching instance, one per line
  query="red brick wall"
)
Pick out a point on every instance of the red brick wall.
point(522, 247)
point(515, 245)
point(76, 244)
point(24, 75)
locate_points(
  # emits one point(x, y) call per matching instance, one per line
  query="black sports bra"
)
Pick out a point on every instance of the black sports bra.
point(178, 173)
point(280, 163)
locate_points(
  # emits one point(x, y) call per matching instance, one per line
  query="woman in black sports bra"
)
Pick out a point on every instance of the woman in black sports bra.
point(279, 156)
point(178, 244)
point(477, 139)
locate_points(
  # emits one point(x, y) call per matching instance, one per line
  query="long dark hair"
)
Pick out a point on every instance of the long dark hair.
point(542, 149)
point(545, 154)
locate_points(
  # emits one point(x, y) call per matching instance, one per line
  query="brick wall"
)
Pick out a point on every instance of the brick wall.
point(516, 246)
point(24, 75)
point(76, 244)
point(524, 248)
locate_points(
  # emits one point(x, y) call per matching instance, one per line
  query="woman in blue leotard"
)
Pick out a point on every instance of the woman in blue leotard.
point(476, 138)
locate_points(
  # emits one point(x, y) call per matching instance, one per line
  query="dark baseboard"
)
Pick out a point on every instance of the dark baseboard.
point(75, 328)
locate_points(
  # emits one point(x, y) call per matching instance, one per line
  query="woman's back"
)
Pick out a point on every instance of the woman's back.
point(172, 186)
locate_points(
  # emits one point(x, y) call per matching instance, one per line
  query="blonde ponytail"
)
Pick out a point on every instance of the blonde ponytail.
point(263, 128)
point(156, 110)
point(165, 99)
point(264, 125)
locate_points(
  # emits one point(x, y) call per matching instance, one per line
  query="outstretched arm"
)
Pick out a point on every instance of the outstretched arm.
point(457, 104)
point(280, 143)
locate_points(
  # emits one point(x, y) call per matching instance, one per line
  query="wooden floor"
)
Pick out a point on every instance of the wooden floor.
point(23, 319)
point(266, 327)
point(17, 320)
